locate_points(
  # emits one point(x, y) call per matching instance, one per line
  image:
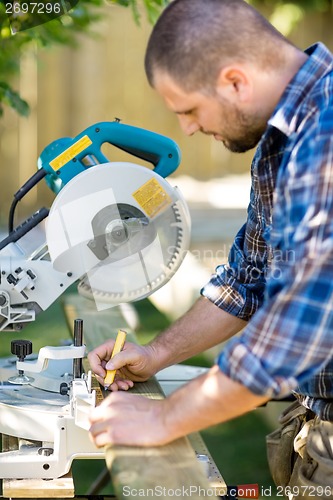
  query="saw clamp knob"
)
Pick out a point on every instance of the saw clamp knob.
point(21, 349)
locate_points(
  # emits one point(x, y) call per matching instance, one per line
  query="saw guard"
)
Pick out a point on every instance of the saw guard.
point(120, 226)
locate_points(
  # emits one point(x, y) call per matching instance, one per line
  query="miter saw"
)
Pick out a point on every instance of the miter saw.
point(118, 228)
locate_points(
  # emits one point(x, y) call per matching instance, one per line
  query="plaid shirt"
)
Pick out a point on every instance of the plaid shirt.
point(280, 268)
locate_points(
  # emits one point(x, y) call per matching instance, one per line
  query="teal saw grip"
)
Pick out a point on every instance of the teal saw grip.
point(65, 158)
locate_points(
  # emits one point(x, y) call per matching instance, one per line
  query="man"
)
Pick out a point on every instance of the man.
point(225, 71)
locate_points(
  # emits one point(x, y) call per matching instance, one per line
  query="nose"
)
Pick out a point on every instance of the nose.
point(188, 124)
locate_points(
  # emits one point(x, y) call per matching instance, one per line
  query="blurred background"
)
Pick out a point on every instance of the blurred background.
point(73, 75)
point(69, 89)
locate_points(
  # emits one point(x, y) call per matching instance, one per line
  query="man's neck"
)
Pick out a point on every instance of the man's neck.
point(271, 85)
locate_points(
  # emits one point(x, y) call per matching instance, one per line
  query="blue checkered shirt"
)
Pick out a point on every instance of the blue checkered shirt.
point(279, 273)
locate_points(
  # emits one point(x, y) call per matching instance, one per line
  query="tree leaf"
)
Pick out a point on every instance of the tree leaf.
point(11, 98)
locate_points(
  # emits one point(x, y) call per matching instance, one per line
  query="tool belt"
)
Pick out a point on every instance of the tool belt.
point(300, 455)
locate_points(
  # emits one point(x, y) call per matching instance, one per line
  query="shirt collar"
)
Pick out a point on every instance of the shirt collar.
point(319, 63)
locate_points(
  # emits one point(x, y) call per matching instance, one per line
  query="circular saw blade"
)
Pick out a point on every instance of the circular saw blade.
point(122, 227)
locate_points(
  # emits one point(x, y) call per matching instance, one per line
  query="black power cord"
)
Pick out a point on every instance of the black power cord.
point(34, 179)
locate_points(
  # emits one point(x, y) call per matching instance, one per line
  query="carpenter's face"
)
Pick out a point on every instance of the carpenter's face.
point(212, 115)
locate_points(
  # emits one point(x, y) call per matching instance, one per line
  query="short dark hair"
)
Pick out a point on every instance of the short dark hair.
point(193, 39)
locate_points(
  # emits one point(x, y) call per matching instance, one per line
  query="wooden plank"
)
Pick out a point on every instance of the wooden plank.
point(62, 487)
point(163, 471)
point(97, 326)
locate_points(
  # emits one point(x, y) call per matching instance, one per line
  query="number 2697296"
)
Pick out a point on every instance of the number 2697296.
point(33, 8)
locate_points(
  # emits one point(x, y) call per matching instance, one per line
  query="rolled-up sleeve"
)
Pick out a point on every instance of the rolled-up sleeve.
point(290, 338)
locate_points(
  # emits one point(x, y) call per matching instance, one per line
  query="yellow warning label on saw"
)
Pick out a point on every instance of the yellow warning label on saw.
point(71, 152)
point(152, 198)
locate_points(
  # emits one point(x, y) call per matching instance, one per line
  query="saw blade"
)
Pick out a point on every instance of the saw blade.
point(123, 227)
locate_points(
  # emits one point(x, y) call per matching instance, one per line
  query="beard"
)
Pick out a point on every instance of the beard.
point(245, 130)
point(244, 144)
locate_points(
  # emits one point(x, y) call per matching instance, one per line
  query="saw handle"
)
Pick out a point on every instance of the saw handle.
point(156, 149)
point(65, 158)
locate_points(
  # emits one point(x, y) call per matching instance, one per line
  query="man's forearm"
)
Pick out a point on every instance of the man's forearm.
point(203, 326)
point(207, 400)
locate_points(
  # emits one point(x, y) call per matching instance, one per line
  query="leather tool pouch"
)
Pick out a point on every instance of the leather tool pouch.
point(280, 443)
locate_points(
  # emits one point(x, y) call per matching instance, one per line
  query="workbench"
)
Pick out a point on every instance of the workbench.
point(183, 465)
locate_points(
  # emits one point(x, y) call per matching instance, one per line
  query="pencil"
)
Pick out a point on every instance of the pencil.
point(119, 344)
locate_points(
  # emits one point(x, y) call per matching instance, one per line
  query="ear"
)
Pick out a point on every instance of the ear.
point(234, 83)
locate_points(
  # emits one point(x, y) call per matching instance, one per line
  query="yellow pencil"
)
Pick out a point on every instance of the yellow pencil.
point(119, 344)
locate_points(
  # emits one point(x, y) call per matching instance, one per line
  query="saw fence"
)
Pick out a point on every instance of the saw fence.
point(157, 471)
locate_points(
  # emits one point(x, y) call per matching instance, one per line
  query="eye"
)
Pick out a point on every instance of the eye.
point(187, 112)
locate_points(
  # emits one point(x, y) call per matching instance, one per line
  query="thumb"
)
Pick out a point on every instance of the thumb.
point(119, 360)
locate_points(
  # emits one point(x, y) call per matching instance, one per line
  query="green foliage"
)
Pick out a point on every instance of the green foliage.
point(153, 8)
point(307, 5)
point(11, 98)
point(64, 29)
point(286, 15)
point(60, 30)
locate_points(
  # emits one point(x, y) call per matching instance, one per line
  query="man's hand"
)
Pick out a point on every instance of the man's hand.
point(133, 364)
point(129, 419)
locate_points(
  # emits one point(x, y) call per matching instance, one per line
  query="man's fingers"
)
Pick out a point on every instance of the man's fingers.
point(120, 384)
point(102, 439)
point(99, 357)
